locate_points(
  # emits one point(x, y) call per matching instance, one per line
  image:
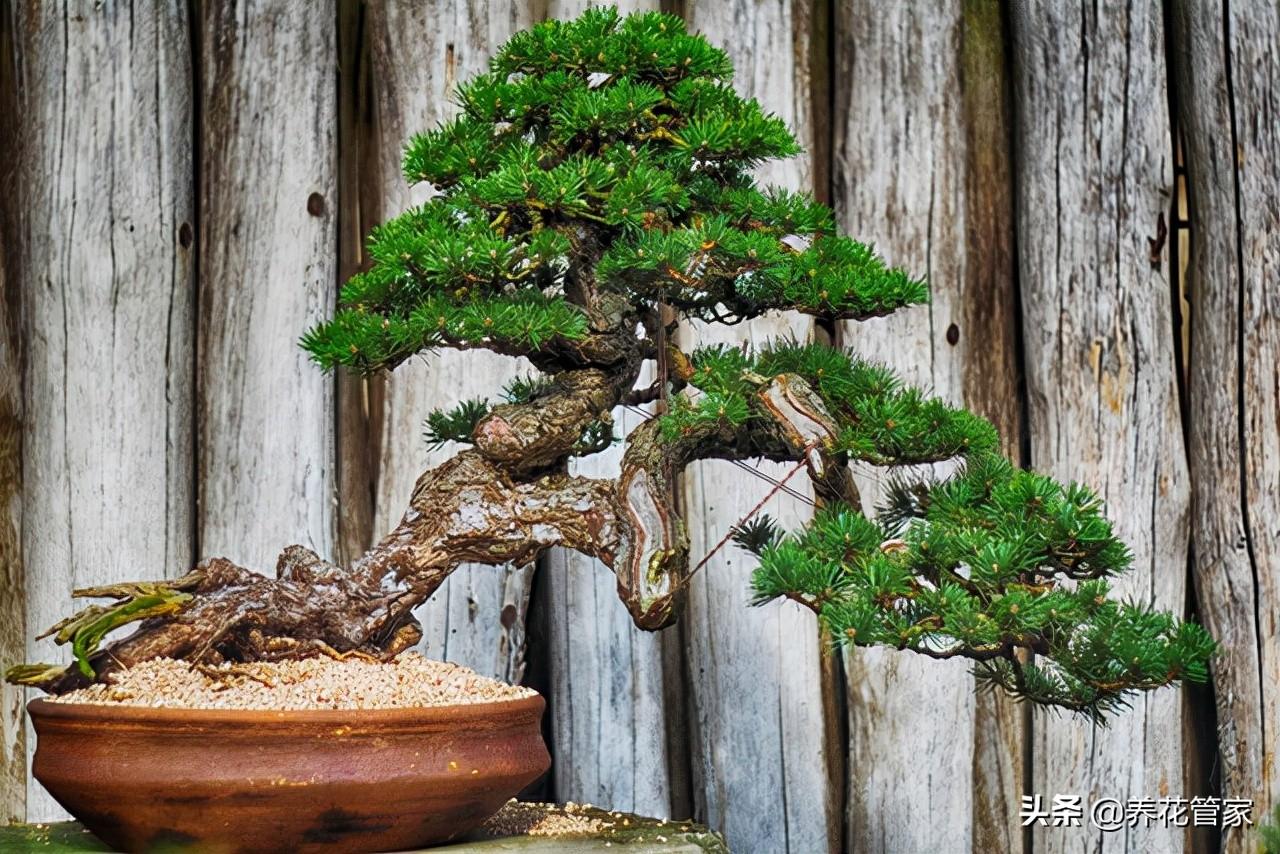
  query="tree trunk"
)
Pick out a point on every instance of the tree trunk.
point(613, 686)
point(103, 261)
point(1094, 179)
point(1227, 65)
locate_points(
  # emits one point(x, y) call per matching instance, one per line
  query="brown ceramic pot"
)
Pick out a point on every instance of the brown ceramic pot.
point(260, 781)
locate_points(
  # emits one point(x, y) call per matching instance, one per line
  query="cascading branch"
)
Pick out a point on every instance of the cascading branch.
point(595, 188)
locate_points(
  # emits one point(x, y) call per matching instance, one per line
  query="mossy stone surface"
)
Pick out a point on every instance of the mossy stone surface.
point(627, 834)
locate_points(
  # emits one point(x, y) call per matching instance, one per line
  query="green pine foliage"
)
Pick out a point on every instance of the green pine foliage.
point(882, 421)
point(988, 562)
point(629, 128)
point(615, 149)
point(456, 424)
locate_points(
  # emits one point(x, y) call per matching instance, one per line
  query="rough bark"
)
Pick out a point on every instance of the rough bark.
point(1094, 178)
point(470, 509)
point(103, 258)
point(1227, 64)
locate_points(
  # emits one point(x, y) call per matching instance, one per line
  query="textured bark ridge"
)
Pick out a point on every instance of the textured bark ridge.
point(502, 502)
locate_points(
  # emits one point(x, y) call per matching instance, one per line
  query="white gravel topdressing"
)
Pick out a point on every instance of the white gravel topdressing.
point(410, 681)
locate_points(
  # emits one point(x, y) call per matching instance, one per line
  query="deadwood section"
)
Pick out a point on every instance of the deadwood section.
point(1094, 177)
point(922, 172)
point(608, 683)
point(761, 751)
point(419, 52)
point(1228, 85)
point(102, 258)
point(268, 183)
point(13, 635)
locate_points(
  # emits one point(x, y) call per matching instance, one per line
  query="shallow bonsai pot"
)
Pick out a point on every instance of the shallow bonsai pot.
point(225, 781)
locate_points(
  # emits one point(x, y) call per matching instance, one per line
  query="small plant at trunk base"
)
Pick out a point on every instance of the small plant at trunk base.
point(595, 188)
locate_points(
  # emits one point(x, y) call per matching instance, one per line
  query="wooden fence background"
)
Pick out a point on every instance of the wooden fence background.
point(186, 184)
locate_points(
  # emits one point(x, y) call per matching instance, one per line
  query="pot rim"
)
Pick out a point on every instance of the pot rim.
point(42, 707)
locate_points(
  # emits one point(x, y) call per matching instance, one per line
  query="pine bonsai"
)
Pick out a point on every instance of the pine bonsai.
point(595, 187)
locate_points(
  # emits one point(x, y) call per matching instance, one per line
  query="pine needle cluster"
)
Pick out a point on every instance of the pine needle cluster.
point(621, 132)
point(984, 564)
point(882, 421)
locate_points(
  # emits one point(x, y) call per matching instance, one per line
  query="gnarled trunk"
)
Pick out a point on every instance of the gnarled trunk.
point(503, 502)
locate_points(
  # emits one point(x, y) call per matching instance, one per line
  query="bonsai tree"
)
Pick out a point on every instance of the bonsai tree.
point(596, 188)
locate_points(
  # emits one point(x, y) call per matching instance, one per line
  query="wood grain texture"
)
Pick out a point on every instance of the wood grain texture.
point(1227, 67)
point(13, 623)
point(761, 753)
point(356, 452)
point(418, 52)
point(106, 282)
point(991, 374)
point(921, 171)
point(609, 683)
point(268, 254)
point(1094, 179)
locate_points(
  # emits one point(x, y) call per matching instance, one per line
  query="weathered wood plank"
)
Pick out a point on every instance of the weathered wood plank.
point(419, 51)
point(922, 172)
point(608, 681)
point(1227, 71)
point(103, 260)
point(1094, 179)
point(991, 374)
point(760, 730)
point(356, 453)
point(13, 634)
point(13, 623)
point(268, 155)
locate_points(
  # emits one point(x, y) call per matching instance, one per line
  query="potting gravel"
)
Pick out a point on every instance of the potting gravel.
point(410, 681)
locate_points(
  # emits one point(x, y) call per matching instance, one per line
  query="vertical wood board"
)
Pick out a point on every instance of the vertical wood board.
point(761, 757)
point(268, 256)
point(1227, 77)
point(987, 333)
point(105, 271)
point(13, 623)
point(419, 53)
point(911, 132)
point(1094, 179)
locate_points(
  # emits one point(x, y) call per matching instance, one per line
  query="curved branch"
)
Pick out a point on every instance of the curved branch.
point(525, 437)
point(792, 425)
